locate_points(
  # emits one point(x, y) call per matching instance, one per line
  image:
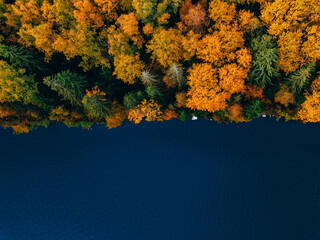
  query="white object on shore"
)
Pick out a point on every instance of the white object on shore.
point(194, 117)
point(263, 115)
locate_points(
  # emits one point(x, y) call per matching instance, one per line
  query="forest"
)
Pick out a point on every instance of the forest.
point(83, 62)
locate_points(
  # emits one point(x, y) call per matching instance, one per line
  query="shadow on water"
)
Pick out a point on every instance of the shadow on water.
point(169, 180)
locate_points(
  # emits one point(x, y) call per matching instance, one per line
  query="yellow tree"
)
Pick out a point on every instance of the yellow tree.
point(129, 26)
point(310, 111)
point(147, 109)
point(128, 67)
point(15, 85)
point(166, 47)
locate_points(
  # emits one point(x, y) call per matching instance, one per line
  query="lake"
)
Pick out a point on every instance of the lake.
point(195, 180)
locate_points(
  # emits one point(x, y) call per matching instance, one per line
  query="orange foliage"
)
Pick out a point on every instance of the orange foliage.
point(128, 67)
point(169, 84)
point(6, 111)
point(235, 113)
point(20, 129)
point(310, 111)
point(87, 14)
point(147, 29)
point(253, 91)
point(129, 26)
point(163, 19)
point(244, 58)
point(149, 110)
point(63, 115)
point(246, 19)
point(232, 78)
point(193, 16)
point(169, 114)
point(95, 91)
point(118, 115)
point(190, 43)
point(294, 23)
point(205, 92)
point(181, 99)
point(221, 12)
point(284, 96)
point(220, 46)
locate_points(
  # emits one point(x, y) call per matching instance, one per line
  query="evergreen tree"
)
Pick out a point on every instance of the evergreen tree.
point(132, 99)
point(69, 85)
point(264, 65)
point(155, 93)
point(253, 109)
point(21, 57)
point(96, 103)
point(301, 77)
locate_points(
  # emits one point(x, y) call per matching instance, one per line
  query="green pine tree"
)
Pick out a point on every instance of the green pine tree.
point(69, 85)
point(21, 57)
point(264, 65)
point(301, 77)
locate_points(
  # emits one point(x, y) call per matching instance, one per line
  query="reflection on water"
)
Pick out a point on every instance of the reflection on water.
point(170, 180)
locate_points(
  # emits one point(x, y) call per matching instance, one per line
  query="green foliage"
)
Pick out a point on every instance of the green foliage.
point(97, 105)
point(253, 109)
point(69, 85)
point(21, 57)
point(155, 93)
point(221, 115)
point(301, 77)
point(264, 65)
point(132, 99)
point(184, 115)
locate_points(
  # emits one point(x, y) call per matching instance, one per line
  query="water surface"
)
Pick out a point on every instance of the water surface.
point(172, 180)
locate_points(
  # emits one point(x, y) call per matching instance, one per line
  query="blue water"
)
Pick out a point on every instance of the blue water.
point(162, 181)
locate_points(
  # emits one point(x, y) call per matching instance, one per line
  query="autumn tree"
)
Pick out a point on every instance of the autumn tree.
point(235, 112)
point(294, 24)
point(147, 109)
point(69, 85)
point(15, 85)
point(165, 46)
point(128, 67)
point(310, 111)
point(61, 114)
point(205, 92)
point(169, 114)
point(117, 115)
point(129, 26)
point(220, 46)
point(284, 96)
point(193, 16)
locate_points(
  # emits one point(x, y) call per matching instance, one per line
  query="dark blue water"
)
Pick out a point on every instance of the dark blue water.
point(162, 181)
